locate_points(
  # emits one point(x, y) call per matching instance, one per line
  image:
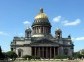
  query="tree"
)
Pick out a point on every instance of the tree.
point(77, 55)
point(0, 50)
point(61, 56)
point(12, 55)
point(82, 52)
point(2, 56)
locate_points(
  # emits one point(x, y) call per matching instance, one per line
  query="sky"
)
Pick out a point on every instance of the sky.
point(16, 15)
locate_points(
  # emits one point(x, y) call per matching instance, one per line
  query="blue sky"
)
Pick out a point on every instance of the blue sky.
point(68, 15)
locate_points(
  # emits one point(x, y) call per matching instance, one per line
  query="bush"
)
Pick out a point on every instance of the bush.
point(27, 56)
point(12, 55)
point(35, 57)
point(30, 57)
point(61, 57)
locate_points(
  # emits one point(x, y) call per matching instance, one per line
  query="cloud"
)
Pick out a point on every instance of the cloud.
point(3, 33)
point(73, 23)
point(27, 24)
point(78, 39)
point(66, 22)
point(57, 19)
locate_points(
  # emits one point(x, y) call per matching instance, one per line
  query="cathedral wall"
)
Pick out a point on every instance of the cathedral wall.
point(19, 42)
point(61, 42)
point(27, 41)
point(70, 51)
point(60, 51)
point(25, 51)
point(17, 48)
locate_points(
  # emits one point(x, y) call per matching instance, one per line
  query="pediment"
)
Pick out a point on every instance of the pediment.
point(43, 41)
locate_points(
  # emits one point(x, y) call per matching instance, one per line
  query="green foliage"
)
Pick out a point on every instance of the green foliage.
point(30, 57)
point(35, 57)
point(61, 56)
point(82, 52)
point(12, 55)
point(2, 55)
point(78, 55)
point(27, 56)
point(0, 50)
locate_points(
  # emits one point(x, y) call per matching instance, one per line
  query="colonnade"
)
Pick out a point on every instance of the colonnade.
point(41, 29)
point(45, 52)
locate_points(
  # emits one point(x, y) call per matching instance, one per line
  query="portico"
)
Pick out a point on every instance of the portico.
point(45, 52)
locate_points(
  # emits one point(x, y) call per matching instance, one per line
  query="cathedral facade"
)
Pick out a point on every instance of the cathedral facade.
point(39, 41)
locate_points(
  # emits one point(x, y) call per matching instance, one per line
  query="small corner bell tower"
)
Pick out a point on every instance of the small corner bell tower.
point(28, 33)
point(58, 33)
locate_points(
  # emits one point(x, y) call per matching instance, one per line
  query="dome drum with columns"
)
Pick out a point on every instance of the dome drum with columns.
point(41, 24)
point(39, 41)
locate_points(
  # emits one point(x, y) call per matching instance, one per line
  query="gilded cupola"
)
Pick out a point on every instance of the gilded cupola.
point(41, 19)
point(41, 15)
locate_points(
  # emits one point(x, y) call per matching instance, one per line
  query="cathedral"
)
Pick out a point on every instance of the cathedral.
point(39, 41)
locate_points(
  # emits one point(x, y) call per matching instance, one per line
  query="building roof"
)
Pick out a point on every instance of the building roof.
point(19, 38)
point(58, 30)
point(28, 30)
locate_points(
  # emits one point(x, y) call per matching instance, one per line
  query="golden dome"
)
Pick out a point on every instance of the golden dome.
point(41, 15)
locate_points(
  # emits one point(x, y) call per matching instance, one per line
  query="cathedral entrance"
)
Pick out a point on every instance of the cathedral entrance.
point(20, 52)
point(45, 52)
